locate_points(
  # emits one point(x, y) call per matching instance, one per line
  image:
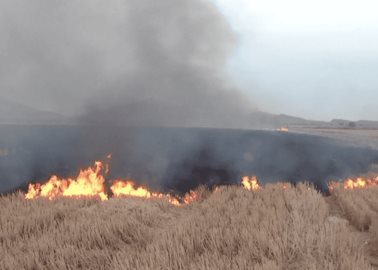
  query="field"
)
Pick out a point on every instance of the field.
point(232, 228)
point(274, 227)
point(359, 137)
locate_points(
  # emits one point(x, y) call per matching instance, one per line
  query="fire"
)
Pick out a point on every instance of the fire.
point(127, 189)
point(190, 197)
point(250, 183)
point(283, 129)
point(356, 183)
point(89, 183)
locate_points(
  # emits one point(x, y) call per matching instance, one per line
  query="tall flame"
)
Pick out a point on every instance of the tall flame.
point(250, 183)
point(89, 183)
point(356, 183)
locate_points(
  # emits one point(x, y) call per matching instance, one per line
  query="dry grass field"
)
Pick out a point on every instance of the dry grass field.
point(232, 228)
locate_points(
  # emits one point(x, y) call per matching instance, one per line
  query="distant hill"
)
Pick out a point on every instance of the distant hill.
point(12, 112)
point(267, 120)
point(15, 113)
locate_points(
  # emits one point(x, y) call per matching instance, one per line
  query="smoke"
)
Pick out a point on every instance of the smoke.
point(179, 52)
point(177, 159)
point(121, 62)
point(109, 64)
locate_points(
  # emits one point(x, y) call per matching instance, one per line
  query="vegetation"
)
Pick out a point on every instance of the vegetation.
point(275, 227)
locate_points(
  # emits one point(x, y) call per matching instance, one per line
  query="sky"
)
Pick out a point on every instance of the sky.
point(312, 58)
point(316, 59)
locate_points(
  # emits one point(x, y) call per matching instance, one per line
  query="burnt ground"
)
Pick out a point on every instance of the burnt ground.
point(357, 137)
point(178, 159)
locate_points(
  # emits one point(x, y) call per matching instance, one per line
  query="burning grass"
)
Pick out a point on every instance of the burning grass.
point(232, 228)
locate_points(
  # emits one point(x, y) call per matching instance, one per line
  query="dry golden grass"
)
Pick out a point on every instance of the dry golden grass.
point(232, 228)
point(360, 207)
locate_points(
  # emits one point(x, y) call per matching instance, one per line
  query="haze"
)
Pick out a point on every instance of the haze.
point(315, 59)
point(312, 59)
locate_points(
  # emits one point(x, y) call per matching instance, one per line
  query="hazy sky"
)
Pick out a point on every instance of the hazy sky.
point(316, 59)
point(311, 58)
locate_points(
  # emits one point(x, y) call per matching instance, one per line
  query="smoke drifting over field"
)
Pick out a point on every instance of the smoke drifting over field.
point(121, 62)
point(177, 159)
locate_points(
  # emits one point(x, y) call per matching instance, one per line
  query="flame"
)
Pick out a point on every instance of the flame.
point(122, 188)
point(250, 183)
point(127, 188)
point(355, 183)
point(174, 201)
point(190, 197)
point(89, 183)
point(283, 129)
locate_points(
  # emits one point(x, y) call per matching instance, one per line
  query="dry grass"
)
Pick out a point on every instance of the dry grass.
point(230, 229)
point(360, 207)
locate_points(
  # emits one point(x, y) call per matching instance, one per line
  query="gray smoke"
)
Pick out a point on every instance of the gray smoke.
point(142, 62)
point(176, 75)
point(176, 159)
point(111, 64)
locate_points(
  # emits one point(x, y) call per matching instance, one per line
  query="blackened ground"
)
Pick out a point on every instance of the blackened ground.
point(176, 159)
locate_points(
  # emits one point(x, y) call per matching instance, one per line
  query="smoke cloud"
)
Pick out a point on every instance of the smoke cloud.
point(121, 62)
point(111, 64)
point(176, 159)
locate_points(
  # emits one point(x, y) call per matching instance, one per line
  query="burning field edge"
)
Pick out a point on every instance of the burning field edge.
point(276, 226)
point(90, 182)
point(75, 224)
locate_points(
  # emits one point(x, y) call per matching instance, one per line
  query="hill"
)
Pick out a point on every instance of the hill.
point(12, 112)
point(268, 120)
point(15, 113)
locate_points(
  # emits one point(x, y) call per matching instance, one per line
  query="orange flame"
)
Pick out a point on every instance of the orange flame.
point(250, 183)
point(283, 129)
point(89, 183)
point(355, 183)
point(190, 197)
point(127, 189)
